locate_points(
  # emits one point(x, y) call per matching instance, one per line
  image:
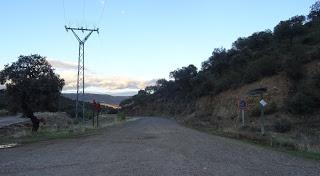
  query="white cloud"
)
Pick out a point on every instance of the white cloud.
point(57, 64)
point(104, 81)
point(96, 82)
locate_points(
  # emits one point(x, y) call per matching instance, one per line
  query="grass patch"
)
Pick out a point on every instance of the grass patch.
point(49, 134)
point(305, 154)
point(121, 116)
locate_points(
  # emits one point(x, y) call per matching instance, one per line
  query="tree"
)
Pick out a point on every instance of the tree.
point(165, 88)
point(217, 63)
point(184, 73)
point(256, 41)
point(183, 77)
point(290, 28)
point(32, 86)
point(151, 90)
point(314, 14)
point(161, 83)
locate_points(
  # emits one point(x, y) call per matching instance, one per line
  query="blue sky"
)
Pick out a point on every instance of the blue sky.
point(139, 40)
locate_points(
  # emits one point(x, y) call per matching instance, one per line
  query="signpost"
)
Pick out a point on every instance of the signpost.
point(96, 111)
point(262, 105)
point(242, 107)
point(259, 92)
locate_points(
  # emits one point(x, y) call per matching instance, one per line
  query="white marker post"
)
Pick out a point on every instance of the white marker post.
point(262, 104)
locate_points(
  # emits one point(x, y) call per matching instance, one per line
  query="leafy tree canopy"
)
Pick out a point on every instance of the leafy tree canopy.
point(290, 28)
point(314, 12)
point(31, 85)
point(251, 58)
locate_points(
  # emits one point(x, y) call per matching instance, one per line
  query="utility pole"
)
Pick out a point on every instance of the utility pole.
point(80, 76)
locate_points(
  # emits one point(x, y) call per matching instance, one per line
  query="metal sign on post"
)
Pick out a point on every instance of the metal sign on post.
point(96, 113)
point(263, 103)
point(242, 104)
point(259, 92)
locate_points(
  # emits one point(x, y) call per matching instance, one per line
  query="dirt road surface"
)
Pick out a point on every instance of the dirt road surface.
point(9, 120)
point(150, 146)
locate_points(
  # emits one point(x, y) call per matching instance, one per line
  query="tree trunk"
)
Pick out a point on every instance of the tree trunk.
point(35, 121)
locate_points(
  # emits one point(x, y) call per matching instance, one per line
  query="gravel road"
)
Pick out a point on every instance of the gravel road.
point(9, 120)
point(150, 146)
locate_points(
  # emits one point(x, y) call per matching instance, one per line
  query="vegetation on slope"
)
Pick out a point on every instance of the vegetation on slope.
point(292, 43)
point(101, 98)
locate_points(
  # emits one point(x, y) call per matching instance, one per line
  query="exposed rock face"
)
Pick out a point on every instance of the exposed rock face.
point(224, 107)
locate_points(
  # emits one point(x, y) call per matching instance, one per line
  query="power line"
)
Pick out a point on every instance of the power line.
point(82, 16)
point(102, 12)
point(83, 11)
point(64, 12)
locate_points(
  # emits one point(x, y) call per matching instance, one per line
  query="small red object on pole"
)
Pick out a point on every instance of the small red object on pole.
point(94, 106)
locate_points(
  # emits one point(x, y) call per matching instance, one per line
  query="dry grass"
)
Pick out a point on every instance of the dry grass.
point(287, 142)
point(58, 125)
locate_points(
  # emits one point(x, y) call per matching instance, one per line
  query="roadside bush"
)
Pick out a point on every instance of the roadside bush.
point(271, 108)
point(227, 81)
point(262, 67)
point(76, 121)
point(307, 96)
point(88, 114)
point(301, 103)
point(293, 69)
point(3, 100)
point(255, 111)
point(3, 106)
point(315, 54)
point(121, 116)
point(312, 38)
point(3, 112)
point(282, 125)
point(112, 111)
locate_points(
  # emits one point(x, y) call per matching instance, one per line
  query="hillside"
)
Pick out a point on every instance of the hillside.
point(102, 98)
point(285, 61)
point(293, 44)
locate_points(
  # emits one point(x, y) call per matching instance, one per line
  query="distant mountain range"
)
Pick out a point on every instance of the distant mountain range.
point(101, 98)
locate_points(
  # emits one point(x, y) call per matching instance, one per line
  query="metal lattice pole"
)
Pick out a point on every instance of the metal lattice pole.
point(80, 76)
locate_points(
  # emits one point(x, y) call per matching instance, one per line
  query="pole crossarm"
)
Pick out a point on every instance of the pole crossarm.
point(82, 29)
point(86, 38)
point(77, 37)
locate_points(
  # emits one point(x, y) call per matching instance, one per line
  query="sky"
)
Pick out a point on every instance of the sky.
point(139, 41)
